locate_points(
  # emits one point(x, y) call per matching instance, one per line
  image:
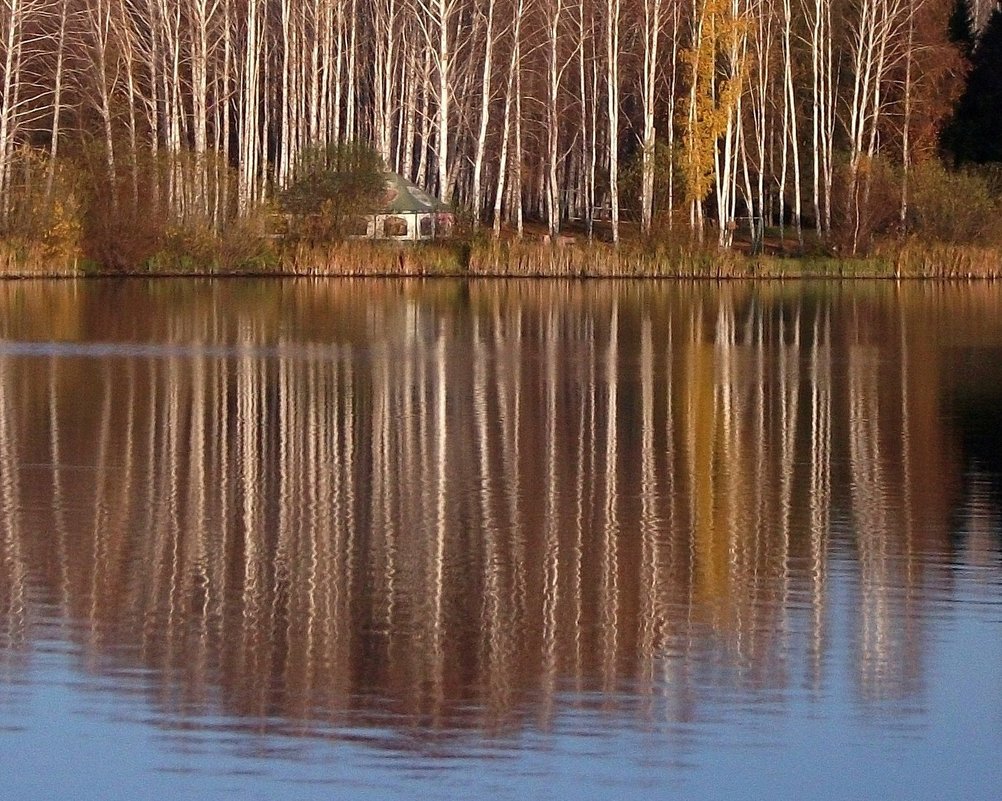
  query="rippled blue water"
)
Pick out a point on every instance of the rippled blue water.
point(444, 540)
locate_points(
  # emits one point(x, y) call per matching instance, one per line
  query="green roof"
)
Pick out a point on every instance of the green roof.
point(403, 197)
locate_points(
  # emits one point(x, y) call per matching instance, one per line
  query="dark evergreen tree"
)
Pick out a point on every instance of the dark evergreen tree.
point(961, 27)
point(974, 135)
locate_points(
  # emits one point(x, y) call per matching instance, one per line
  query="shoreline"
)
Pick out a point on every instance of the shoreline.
point(513, 259)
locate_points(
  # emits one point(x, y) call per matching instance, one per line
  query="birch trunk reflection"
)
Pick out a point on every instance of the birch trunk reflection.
point(442, 500)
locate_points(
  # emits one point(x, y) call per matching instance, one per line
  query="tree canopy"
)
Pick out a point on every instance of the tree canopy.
point(200, 114)
point(336, 182)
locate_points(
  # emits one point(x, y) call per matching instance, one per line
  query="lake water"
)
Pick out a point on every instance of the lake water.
point(430, 540)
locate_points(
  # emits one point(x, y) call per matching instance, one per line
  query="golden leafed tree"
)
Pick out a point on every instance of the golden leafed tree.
point(714, 71)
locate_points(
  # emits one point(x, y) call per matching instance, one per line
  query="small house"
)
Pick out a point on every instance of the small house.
point(407, 214)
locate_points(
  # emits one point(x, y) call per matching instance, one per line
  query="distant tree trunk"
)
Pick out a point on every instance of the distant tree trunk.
point(871, 34)
point(57, 99)
point(726, 153)
point(790, 128)
point(249, 107)
point(127, 49)
point(11, 90)
point(410, 115)
point(199, 18)
point(906, 123)
point(652, 32)
point(288, 92)
point(383, 72)
point(587, 157)
point(822, 111)
point(552, 116)
point(443, 13)
point(480, 145)
point(351, 100)
point(612, 83)
point(223, 102)
point(99, 22)
point(517, 184)
point(510, 84)
point(672, 108)
point(426, 121)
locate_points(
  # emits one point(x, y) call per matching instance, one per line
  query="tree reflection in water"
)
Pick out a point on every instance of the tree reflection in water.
point(444, 505)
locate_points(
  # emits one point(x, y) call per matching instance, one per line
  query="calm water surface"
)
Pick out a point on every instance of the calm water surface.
point(316, 540)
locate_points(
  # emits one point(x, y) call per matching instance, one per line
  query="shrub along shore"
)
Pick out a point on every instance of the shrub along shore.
point(489, 258)
point(65, 220)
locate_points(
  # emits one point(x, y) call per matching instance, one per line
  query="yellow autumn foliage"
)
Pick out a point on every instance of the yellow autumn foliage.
point(42, 219)
point(715, 71)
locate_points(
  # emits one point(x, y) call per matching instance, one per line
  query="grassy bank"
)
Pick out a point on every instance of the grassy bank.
point(526, 259)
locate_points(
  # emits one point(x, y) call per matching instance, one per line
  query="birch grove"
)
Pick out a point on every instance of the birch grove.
point(591, 115)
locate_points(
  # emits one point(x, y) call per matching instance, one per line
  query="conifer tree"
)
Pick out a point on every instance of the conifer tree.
point(975, 133)
point(961, 27)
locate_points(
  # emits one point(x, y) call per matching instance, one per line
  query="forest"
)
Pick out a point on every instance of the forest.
point(133, 127)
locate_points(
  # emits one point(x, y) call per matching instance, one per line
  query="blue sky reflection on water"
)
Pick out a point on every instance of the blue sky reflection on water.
point(69, 734)
point(423, 541)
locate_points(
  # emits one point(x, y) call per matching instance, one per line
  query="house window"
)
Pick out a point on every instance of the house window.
point(427, 229)
point(443, 224)
point(394, 226)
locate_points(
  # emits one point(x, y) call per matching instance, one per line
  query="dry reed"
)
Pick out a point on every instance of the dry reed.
point(536, 259)
point(935, 260)
point(357, 258)
point(34, 260)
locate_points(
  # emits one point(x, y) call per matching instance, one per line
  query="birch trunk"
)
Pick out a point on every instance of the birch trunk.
point(12, 39)
point(57, 99)
point(790, 128)
point(552, 190)
point(652, 32)
point(510, 83)
point(484, 115)
point(249, 105)
point(444, 61)
point(612, 82)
